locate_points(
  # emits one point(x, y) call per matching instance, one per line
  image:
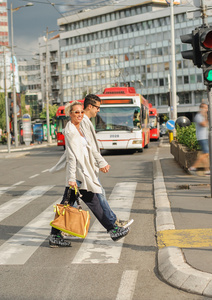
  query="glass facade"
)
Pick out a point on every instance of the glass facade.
point(136, 54)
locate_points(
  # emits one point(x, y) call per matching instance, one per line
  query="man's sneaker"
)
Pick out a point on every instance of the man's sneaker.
point(118, 232)
point(58, 241)
point(122, 223)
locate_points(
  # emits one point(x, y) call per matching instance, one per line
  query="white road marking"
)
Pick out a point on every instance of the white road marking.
point(33, 176)
point(44, 171)
point(15, 204)
point(19, 248)
point(18, 183)
point(127, 285)
point(156, 154)
point(8, 188)
point(98, 248)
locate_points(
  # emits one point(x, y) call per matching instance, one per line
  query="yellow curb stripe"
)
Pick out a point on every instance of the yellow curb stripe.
point(185, 238)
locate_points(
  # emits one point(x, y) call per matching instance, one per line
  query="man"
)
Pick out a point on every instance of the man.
point(201, 120)
point(91, 108)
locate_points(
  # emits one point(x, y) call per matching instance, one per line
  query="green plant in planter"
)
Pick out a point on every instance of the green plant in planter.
point(187, 136)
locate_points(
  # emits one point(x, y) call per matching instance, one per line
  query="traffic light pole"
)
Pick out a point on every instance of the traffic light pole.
point(205, 23)
point(210, 133)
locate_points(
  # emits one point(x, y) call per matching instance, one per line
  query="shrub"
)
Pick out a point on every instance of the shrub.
point(187, 136)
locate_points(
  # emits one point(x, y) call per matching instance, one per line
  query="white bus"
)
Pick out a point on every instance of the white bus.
point(123, 120)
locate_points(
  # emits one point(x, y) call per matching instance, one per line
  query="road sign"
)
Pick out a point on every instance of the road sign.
point(170, 125)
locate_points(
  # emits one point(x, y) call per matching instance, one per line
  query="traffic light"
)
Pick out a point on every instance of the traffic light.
point(193, 54)
point(205, 44)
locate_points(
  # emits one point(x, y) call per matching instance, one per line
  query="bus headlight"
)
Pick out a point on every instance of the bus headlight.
point(137, 142)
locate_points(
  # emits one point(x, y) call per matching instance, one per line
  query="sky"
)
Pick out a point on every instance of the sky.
point(30, 23)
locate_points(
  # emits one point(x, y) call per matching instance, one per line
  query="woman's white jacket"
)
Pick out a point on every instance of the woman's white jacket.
point(78, 166)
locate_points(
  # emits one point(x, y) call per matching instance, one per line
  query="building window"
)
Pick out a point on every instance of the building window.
point(199, 77)
point(192, 79)
point(161, 82)
point(184, 98)
point(186, 80)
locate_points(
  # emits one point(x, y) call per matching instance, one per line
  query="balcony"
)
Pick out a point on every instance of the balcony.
point(54, 73)
point(55, 86)
point(53, 59)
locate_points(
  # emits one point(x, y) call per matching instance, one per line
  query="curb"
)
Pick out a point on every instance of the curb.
point(171, 262)
point(28, 148)
point(14, 155)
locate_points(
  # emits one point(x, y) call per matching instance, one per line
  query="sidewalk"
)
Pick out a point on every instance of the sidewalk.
point(184, 225)
point(21, 150)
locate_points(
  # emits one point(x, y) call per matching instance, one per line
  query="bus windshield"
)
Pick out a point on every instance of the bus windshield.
point(118, 118)
point(61, 123)
point(153, 122)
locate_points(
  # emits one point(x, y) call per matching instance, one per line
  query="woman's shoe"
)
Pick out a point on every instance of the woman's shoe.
point(192, 171)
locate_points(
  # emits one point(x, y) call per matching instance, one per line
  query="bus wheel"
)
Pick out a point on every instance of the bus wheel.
point(64, 147)
point(140, 150)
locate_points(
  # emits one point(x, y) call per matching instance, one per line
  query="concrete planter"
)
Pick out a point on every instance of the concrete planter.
point(174, 150)
point(183, 155)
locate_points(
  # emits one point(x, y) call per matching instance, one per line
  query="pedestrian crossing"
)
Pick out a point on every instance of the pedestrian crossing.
point(96, 248)
point(14, 205)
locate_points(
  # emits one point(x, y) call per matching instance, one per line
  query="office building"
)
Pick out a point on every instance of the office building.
point(30, 84)
point(130, 43)
point(50, 81)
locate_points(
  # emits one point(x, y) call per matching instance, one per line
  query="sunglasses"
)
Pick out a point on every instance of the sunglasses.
point(77, 112)
point(98, 107)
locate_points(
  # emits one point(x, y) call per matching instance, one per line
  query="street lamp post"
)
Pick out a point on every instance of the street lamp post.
point(173, 93)
point(13, 75)
point(6, 104)
point(47, 88)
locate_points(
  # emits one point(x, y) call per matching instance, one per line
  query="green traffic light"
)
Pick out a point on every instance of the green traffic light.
point(209, 77)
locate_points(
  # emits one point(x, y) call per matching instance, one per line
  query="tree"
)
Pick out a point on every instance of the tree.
point(2, 112)
point(24, 110)
point(52, 112)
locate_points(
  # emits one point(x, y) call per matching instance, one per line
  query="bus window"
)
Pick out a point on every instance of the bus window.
point(117, 118)
point(136, 119)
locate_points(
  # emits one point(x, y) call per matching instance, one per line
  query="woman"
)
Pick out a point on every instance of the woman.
point(81, 172)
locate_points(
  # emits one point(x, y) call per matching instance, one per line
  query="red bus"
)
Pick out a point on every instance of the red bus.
point(61, 121)
point(121, 123)
point(154, 123)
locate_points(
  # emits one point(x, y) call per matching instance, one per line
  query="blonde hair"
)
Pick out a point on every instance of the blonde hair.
point(68, 106)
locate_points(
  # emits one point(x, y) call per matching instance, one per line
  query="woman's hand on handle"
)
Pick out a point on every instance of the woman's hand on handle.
point(72, 184)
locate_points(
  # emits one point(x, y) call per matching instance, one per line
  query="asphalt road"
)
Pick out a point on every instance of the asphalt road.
point(96, 268)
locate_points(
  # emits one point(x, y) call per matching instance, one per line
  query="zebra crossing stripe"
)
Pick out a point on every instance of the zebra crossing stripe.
point(15, 204)
point(19, 248)
point(7, 188)
point(98, 248)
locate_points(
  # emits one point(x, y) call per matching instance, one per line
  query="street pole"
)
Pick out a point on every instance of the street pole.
point(169, 91)
point(173, 92)
point(6, 104)
point(14, 89)
point(205, 22)
point(47, 92)
point(210, 132)
point(13, 75)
